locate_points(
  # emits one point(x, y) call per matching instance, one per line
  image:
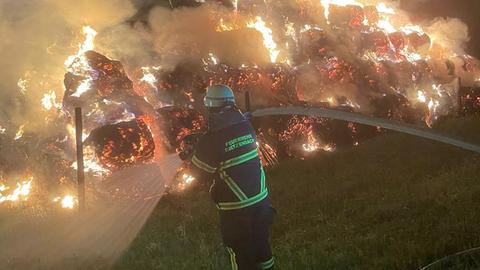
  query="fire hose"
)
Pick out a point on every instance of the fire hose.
point(367, 120)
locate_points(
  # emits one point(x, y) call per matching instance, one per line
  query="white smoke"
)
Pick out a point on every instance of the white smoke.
point(37, 36)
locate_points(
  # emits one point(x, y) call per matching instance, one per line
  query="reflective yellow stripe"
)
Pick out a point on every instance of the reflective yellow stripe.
point(262, 180)
point(266, 264)
point(233, 186)
point(233, 261)
point(245, 203)
point(239, 160)
point(202, 165)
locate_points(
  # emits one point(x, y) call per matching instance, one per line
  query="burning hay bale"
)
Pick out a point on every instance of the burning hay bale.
point(180, 123)
point(122, 144)
point(350, 15)
point(349, 55)
point(119, 121)
point(108, 78)
point(108, 84)
point(313, 43)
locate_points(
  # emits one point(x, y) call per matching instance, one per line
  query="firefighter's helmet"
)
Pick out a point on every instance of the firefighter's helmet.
point(219, 96)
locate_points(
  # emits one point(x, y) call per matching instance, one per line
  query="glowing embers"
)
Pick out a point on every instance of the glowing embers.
point(313, 42)
point(20, 192)
point(470, 100)
point(123, 144)
point(107, 78)
point(179, 123)
point(300, 136)
point(227, 24)
point(268, 154)
point(350, 15)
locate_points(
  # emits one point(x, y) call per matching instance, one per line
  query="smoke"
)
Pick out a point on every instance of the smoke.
point(189, 33)
point(451, 33)
point(37, 36)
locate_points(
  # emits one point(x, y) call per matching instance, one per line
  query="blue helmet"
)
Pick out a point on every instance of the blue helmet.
point(219, 96)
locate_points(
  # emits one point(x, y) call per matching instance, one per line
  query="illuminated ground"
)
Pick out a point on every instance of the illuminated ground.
point(394, 203)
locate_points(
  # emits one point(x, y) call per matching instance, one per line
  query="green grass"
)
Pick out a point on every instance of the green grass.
point(395, 202)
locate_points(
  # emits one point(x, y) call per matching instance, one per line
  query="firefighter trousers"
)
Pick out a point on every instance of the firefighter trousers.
point(245, 233)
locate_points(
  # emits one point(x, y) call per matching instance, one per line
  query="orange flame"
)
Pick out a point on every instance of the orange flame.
point(78, 63)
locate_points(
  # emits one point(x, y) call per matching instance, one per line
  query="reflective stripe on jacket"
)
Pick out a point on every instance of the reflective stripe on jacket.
point(229, 156)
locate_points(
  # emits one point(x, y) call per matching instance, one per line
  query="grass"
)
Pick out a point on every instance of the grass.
point(395, 202)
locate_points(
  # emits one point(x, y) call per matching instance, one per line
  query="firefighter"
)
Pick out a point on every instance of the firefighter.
point(227, 154)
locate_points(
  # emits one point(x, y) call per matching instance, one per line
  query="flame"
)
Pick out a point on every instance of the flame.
point(20, 132)
point(432, 104)
point(49, 101)
point(382, 8)
point(384, 21)
point(224, 26)
point(21, 192)
point(326, 5)
point(91, 163)
point(71, 131)
point(432, 116)
point(421, 96)
point(67, 201)
point(290, 32)
point(148, 76)
point(260, 25)
point(213, 58)
point(310, 147)
point(188, 178)
point(78, 63)
point(386, 26)
point(328, 147)
point(235, 5)
point(314, 145)
point(22, 84)
point(185, 181)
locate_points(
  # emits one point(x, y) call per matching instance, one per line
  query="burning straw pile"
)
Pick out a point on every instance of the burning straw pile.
point(357, 56)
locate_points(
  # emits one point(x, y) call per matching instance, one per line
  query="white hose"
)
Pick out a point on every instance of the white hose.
point(367, 120)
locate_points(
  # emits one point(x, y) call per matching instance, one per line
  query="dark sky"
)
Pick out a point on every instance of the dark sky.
point(466, 10)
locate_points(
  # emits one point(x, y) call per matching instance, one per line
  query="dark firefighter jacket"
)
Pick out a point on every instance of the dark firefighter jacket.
point(228, 155)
